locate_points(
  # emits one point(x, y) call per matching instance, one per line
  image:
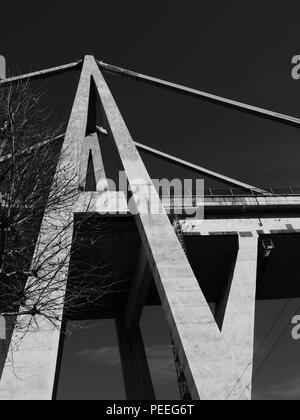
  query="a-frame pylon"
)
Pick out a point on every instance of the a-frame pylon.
point(206, 354)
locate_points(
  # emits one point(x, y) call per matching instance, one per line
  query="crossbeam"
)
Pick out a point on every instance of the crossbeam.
point(208, 97)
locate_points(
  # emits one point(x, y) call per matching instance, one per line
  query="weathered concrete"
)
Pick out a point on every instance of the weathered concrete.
point(32, 374)
point(238, 226)
point(217, 364)
point(236, 312)
point(103, 202)
point(136, 373)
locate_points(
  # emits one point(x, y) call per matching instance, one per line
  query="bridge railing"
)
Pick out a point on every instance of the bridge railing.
point(191, 199)
point(237, 192)
point(177, 198)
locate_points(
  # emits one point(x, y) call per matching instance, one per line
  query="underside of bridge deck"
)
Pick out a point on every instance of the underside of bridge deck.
point(114, 251)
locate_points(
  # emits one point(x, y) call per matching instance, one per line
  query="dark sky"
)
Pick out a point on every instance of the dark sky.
point(240, 50)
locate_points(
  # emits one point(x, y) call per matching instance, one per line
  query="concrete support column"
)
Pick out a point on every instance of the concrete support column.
point(239, 317)
point(29, 372)
point(138, 294)
point(136, 373)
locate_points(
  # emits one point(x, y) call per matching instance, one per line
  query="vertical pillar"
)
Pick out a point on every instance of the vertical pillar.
point(137, 294)
point(31, 374)
point(30, 368)
point(136, 373)
point(239, 317)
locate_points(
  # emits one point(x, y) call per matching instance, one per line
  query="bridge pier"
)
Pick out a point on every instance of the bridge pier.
point(136, 373)
point(236, 312)
point(216, 357)
point(31, 372)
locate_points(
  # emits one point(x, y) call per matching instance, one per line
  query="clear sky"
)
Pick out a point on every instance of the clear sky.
point(241, 50)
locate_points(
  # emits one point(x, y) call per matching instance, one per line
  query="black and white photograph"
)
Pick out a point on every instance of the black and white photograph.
point(149, 203)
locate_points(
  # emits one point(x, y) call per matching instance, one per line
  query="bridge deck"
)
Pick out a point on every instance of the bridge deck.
point(231, 205)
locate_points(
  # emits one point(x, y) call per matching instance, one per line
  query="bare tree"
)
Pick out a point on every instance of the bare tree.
point(38, 236)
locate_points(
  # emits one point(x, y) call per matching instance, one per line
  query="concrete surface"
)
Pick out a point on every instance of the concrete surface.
point(214, 361)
